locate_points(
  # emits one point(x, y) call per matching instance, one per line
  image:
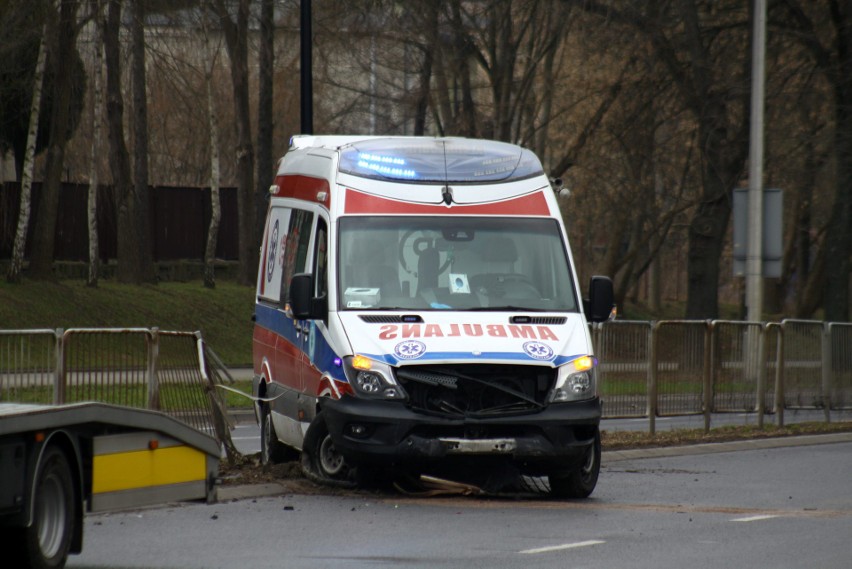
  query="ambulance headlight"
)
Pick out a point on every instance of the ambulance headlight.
point(575, 381)
point(372, 379)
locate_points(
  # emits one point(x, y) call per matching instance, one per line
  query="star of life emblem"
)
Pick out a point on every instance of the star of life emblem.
point(409, 349)
point(270, 262)
point(538, 351)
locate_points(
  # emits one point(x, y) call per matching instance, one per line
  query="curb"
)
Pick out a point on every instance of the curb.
point(732, 446)
point(242, 416)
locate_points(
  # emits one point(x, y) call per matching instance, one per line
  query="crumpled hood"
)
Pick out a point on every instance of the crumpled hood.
point(467, 337)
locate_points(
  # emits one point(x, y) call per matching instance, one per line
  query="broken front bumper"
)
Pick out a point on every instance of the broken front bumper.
point(552, 439)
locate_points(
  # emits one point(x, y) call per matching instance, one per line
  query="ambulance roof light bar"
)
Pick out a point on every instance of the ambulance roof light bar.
point(437, 160)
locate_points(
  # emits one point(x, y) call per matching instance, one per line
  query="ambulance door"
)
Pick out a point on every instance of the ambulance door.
point(290, 342)
point(314, 331)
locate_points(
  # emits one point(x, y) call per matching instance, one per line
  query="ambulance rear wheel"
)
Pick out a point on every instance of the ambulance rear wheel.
point(321, 459)
point(272, 451)
point(581, 482)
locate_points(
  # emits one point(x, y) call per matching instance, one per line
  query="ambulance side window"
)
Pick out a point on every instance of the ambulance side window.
point(269, 272)
point(321, 259)
point(295, 249)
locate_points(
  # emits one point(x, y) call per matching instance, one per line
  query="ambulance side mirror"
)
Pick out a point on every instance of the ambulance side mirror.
point(599, 306)
point(303, 304)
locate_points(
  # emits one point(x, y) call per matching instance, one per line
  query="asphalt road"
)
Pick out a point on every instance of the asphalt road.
point(778, 508)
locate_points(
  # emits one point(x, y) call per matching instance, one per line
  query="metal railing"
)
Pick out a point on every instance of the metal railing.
point(647, 369)
point(694, 367)
point(135, 367)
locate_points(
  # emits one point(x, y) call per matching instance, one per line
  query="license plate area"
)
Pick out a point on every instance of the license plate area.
point(478, 446)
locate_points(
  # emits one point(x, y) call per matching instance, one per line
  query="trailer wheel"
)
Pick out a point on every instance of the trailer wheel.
point(272, 451)
point(581, 482)
point(45, 544)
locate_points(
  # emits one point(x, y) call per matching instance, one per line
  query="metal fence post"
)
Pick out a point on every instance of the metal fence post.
point(761, 376)
point(652, 379)
point(153, 337)
point(220, 414)
point(780, 402)
point(708, 375)
point(59, 372)
point(826, 371)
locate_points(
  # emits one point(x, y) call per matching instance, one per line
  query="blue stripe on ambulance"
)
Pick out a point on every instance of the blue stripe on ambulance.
point(317, 348)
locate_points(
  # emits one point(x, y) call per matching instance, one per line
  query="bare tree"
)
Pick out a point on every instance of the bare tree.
point(62, 57)
point(145, 271)
point(14, 275)
point(216, 210)
point(705, 58)
point(265, 125)
point(236, 41)
point(128, 246)
point(97, 111)
point(825, 29)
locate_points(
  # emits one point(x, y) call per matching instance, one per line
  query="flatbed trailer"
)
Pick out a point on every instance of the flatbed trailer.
point(59, 462)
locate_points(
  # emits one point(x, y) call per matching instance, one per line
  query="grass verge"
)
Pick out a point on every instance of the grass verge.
point(222, 314)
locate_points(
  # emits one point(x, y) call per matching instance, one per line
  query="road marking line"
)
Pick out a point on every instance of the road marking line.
point(563, 546)
point(754, 518)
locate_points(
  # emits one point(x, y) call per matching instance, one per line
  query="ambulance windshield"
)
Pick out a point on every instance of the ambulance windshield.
point(458, 263)
point(456, 160)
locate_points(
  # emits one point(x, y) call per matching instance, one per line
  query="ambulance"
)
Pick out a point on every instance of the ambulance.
point(418, 311)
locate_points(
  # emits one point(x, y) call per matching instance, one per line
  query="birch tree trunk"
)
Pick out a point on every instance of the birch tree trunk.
point(97, 111)
point(61, 121)
point(17, 263)
point(216, 210)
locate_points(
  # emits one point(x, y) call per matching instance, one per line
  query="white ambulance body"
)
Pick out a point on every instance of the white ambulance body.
point(418, 309)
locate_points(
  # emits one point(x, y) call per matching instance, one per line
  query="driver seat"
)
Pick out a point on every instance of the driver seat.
point(371, 271)
point(428, 263)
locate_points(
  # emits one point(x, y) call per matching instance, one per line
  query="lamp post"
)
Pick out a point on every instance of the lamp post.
point(306, 70)
point(754, 257)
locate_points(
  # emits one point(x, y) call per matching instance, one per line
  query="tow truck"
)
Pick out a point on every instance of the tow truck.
point(59, 462)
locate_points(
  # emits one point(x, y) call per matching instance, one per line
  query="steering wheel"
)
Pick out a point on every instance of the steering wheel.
point(518, 286)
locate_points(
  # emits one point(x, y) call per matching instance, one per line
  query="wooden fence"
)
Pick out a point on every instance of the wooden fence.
point(179, 221)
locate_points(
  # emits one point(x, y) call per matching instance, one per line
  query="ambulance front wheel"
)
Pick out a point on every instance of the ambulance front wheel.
point(582, 481)
point(320, 459)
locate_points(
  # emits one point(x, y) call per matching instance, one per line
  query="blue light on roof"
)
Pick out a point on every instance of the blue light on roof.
point(367, 157)
point(387, 171)
point(456, 160)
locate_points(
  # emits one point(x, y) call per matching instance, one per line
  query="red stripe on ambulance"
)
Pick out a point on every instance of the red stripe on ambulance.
point(530, 204)
point(303, 188)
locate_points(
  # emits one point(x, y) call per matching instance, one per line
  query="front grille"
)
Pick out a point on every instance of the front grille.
point(543, 320)
point(390, 318)
point(476, 390)
point(381, 318)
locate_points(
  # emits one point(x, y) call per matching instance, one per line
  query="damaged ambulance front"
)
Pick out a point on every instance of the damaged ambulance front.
point(457, 295)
